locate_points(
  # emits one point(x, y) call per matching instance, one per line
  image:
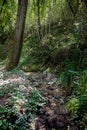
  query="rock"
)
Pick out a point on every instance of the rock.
point(22, 87)
point(1, 75)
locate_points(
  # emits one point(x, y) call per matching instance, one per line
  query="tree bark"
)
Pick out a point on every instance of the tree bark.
point(18, 36)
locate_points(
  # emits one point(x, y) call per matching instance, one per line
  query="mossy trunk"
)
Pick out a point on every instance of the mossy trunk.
point(18, 35)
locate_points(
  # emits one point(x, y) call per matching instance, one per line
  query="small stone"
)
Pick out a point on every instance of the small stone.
point(22, 87)
point(1, 75)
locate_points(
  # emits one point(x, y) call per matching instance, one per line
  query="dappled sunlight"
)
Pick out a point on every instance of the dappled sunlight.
point(43, 65)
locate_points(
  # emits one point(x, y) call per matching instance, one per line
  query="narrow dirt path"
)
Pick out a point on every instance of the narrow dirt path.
point(52, 115)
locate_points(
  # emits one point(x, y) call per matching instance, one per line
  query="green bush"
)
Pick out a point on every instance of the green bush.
point(77, 105)
point(35, 100)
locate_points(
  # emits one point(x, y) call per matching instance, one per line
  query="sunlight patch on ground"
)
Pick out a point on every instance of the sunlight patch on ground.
point(11, 80)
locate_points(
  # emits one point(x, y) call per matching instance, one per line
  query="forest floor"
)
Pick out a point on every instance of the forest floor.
point(16, 89)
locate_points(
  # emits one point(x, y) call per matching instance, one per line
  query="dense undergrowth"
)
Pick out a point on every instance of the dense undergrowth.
point(18, 106)
point(63, 50)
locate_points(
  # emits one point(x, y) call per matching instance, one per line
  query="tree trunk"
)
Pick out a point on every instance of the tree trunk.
point(39, 24)
point(18, 36)
point(49, 17)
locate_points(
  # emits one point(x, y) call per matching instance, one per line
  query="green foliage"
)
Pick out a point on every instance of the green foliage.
point(73, 105)
point(82, 103)
point(6, 120)
point(35, 100)
point(11, 119)
point(68, 77)
point(63, 47)
point(82, 25)
point(18, 108)
point(81, 83)
point(7, 18)
point(78, 81)
point(2, 53)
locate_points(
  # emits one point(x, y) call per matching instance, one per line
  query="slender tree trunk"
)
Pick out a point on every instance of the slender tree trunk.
point(18, 36)
point(49, 17)
point(39, 24)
